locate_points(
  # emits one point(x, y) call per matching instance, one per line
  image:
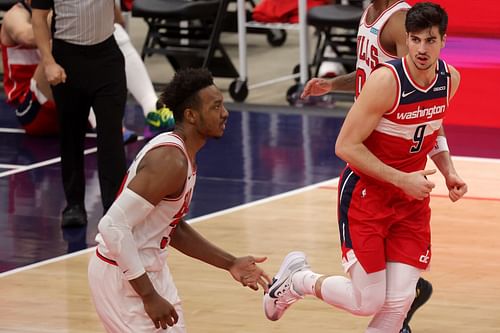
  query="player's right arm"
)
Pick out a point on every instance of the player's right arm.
point(376, 98)
point(320, 86)
point(54, 73)
point(161, 173)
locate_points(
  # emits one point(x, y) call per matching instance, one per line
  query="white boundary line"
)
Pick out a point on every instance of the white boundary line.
point(22, 131)
point(11, 166)
point(191, 221)
point(476, 159)
point(201, 218)
point(41, 164)
point(11, 130)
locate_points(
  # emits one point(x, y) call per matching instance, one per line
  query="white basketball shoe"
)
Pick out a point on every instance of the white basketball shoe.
point(281, 293)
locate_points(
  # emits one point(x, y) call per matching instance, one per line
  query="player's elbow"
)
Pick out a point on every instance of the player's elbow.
point(25, 38)
point(111, 235)
point(340, 149)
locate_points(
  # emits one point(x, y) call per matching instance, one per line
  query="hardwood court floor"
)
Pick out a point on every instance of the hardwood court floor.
point(53, 297)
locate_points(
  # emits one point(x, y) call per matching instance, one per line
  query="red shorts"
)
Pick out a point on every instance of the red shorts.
point(378, 223)
point(36, 118)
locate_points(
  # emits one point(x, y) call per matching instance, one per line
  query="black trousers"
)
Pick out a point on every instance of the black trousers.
point(95, 78)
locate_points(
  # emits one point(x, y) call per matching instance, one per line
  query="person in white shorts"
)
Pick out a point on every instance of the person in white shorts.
point(130, 283)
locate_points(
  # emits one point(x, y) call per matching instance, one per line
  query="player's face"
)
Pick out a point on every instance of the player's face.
point(424, 47)
point(213, 114)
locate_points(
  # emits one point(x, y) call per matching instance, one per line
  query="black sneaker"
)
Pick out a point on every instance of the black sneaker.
point(423, 293)
point(74, 216)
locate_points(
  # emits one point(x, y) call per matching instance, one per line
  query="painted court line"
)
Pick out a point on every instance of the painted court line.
point(22, 131)
point(324, 184)
point(10, 166)
point(41, 164)
point(191, 221)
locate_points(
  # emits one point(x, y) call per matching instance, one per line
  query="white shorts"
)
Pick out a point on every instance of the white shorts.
point(120, 308)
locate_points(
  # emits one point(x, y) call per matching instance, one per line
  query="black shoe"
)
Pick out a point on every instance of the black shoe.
point(423, 293)
point(74, 216)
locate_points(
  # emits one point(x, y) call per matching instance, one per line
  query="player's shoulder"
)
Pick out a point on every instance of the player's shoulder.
point(396, 22)
point(455, 78)
point(381, 80)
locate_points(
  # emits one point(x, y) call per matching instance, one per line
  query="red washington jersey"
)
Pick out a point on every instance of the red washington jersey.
point(407, 132)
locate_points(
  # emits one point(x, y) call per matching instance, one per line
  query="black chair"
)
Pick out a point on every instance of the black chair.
point(336, 26)
point(275, 37)
point(187, 33)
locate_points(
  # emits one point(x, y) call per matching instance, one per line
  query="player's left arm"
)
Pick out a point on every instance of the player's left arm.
point(243, 269)
point(441, 156)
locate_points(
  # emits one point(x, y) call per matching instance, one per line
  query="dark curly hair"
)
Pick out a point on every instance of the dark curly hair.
point(182, 91)
point(425, 15)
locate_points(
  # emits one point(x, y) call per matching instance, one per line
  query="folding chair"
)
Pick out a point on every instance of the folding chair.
point(187, 33)
point(337, 27)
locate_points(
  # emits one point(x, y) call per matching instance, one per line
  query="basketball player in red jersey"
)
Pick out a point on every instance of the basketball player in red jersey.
point(384, 213)
point(24, 81)
point(380, 39)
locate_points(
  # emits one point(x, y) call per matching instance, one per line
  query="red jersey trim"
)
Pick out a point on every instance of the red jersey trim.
point(414, 83)
point(363, 20)
point(398, 90)
point(393, 56)
point(103, 258)
point(448, 80)
point(193, 167)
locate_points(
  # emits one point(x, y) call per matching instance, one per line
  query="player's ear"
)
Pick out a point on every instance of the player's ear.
point(190, 115)
point(443, 40)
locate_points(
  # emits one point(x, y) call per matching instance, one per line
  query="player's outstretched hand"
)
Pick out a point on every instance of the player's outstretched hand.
point(316, 87)
point(246, 271)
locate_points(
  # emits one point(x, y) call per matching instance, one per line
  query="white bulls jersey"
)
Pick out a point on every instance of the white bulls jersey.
point(153, 235)
point(369, 47)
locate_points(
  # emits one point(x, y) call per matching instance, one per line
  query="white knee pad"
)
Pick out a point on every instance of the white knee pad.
point(362, 295)
point(401, 282)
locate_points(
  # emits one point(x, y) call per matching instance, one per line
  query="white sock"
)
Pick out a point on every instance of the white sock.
point(304, 282)
point(138, 81)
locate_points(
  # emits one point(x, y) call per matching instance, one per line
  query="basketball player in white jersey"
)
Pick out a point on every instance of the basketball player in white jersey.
point(384, 213)
point(381, 38)
point(131, 285)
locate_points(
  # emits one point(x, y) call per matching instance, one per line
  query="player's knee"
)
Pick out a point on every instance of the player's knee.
point(372, 300)
point(400, 301)
point(371, 307)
